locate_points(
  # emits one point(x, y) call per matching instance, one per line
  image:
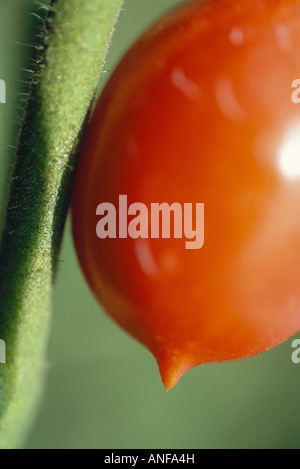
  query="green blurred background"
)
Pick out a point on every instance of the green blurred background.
point(103, 389)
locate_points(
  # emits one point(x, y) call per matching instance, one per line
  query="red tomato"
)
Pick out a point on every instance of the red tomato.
point(200, 111)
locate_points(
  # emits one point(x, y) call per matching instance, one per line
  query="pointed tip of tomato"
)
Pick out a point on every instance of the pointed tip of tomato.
point(171, 370)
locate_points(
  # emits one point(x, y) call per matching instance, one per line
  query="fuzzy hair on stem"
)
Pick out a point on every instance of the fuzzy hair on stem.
point(66, 73)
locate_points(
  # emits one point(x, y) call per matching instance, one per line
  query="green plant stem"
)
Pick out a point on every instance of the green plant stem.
point(69, 61)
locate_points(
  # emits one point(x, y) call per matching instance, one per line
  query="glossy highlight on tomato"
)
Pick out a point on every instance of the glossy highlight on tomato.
point(200, 111)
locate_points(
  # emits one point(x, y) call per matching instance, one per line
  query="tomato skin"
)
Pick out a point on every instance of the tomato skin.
point(199, 110)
